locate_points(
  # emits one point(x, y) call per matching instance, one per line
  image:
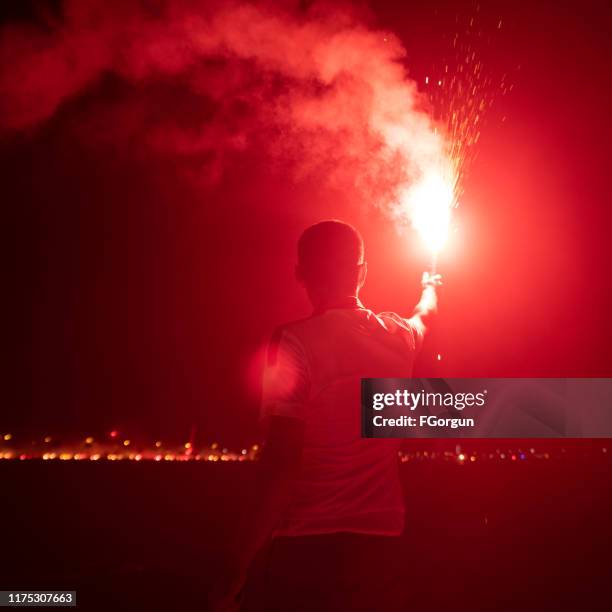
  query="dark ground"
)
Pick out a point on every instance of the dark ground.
point(531, 535)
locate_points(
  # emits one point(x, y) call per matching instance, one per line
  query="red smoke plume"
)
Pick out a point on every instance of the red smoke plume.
point(312, 86)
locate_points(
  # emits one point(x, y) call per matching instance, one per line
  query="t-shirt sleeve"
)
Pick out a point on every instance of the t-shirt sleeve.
point(412, 331)
point(286, 379)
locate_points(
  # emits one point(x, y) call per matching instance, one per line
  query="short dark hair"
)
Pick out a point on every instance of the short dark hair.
point(329, 254)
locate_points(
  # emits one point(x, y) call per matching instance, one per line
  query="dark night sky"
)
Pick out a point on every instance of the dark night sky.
point(134, 301)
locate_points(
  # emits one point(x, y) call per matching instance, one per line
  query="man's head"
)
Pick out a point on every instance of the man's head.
point(330, 260)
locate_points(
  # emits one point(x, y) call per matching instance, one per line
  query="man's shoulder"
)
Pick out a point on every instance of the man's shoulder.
point(409, 328)
point(287, 334)
point(292, 327)
point(389, 316)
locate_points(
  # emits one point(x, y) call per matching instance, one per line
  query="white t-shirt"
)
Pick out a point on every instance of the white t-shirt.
point(313, 373)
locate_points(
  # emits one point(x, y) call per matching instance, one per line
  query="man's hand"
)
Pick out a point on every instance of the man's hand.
point(431, 280)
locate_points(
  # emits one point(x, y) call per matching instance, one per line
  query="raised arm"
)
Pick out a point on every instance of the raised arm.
point(428, 303)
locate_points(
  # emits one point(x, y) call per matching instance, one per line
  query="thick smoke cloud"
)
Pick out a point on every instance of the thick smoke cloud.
point(311, 87)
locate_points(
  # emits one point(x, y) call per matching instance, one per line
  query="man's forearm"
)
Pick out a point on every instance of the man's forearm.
point(276, 472)
point(426, 307)
point(272, 493)
point(428, 303)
